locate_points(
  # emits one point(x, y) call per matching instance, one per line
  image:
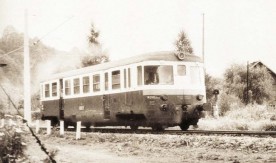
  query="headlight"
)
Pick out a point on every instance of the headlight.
point(164, 97)
point(199, 97)
point(163, 107)
point(42, 107)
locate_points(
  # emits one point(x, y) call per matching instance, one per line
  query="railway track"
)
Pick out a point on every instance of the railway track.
point(177, 132)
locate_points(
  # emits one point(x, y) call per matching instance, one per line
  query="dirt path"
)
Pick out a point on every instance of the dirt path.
point(119, 148)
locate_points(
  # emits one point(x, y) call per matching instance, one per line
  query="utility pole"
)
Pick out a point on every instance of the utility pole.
point(247, 83)
point(27, 81)
point(203, 55)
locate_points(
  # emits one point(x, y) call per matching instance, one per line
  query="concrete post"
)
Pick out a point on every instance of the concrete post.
point(2, 123)
point(48, 124)
point(37, 126)
point(78, 134)
point(61, 127)
point(10, 122)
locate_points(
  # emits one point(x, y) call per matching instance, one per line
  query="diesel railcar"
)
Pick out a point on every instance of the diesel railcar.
point(158, 90)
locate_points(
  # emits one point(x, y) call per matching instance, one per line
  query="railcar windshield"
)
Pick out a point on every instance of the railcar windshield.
point(158, 75)
point(197, 75)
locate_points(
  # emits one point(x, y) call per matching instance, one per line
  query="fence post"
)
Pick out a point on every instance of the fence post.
point(2, 123)
point(78, 134)
point(61, 127)
point(37, 126)
point(10, 122)
point(48, 123)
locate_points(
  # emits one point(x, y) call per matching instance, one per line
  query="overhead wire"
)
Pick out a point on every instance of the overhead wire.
point(41, 38)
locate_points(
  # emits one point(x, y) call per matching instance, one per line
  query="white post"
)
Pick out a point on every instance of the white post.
point(61, 127)
point(10, 122)
point(27, 80)
point(2, 123)
point(78, 134)
point(48, 123)
point(37, 126)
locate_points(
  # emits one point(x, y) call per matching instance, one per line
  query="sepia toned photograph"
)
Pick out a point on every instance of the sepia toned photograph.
point(140, 81)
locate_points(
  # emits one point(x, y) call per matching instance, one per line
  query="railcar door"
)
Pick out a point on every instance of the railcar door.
point(106, 106)
point(61, 100)
point(106, 98)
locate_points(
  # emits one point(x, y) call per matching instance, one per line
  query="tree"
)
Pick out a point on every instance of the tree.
point(183, 44)
point(11, 40)
point(97, 55)
point(260, 83)
point(94, 36)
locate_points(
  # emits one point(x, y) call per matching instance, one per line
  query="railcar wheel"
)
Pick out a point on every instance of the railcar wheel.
point(184, 126)
point(87, 127)
point(158, 128)
point(134, 127)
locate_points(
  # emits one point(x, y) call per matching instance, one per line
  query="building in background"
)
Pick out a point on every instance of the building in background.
point(272, 73)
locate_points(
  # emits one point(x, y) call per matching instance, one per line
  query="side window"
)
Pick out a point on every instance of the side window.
point(67, 87)
point(139, 75)
point(195, 74)
point(125, 78)
point(129, 77)
point(106, 80)
point(181, 70)
point(47, 90)
point(96, 83)
point(116, 79)
point(86, 84)
point(76, 86)
point(54, 89)
point(41, 91)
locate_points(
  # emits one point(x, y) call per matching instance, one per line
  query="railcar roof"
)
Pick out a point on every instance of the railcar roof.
point(154, 56)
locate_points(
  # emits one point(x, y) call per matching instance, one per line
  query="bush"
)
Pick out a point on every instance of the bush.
point(260, 84)
point(11, 146)
point(226, 102)
point(250, 117)
point(36, 115)
point(252, 113)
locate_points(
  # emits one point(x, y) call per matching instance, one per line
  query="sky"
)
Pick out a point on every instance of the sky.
point(235, 31)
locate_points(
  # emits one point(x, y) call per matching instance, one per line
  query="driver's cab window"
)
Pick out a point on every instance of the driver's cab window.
point(151, 76)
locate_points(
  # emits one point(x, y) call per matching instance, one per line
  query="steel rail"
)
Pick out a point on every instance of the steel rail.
point(177, 132)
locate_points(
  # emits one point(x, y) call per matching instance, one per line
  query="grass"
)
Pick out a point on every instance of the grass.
point(250, 117)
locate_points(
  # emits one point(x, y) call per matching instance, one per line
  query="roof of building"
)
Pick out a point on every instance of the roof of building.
point(256, 63)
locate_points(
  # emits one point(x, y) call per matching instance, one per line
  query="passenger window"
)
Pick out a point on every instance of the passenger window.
point(41, 91)
point(129, 77)
point(76, 86)
point(47, 90)
point(67, 87)
point(116, 80)
point(106, 80)
point(86, 84)
point(181, 70)
point(54, 89)
point(96, 83)
point(125, 78)
point(139, 75)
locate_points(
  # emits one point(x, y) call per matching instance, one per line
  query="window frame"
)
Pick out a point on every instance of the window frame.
point(76, 86)
point(56, 91)
point(69, 87)
point(117, 85)
point(97, 83)
point(86, 85)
